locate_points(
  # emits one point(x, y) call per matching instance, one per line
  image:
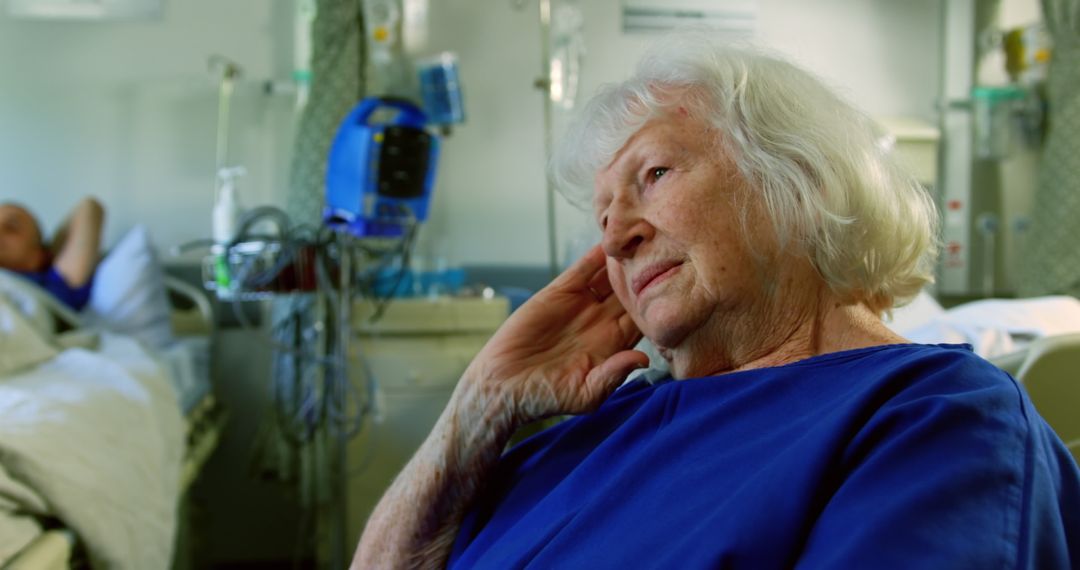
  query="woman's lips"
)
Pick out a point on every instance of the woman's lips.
point(654, 274)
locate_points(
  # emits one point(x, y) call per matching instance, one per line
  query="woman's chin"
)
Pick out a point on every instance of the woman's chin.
point(666, 329)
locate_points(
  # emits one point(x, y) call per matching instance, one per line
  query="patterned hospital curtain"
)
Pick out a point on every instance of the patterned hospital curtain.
point(337, 83)
point(1053, 251)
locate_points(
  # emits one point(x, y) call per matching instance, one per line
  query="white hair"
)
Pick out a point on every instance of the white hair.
point(825, 181)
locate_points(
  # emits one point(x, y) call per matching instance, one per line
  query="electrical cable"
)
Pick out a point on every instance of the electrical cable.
point(312, 390)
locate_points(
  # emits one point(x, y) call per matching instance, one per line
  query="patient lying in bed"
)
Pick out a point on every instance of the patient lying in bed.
point(65, 267)
point(68, 453)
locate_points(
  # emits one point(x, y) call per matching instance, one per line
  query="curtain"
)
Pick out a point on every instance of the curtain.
point(1053, 250)
point(338, 60)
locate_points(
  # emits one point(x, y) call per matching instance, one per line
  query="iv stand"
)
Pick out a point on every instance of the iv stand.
point(544, 83)
point(338, 508)
point(330, 446)
point(332, 440)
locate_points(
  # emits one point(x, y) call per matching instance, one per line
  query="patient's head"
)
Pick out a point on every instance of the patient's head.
point(21, 244)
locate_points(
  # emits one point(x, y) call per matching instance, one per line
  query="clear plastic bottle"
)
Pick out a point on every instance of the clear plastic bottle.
point(225, 215)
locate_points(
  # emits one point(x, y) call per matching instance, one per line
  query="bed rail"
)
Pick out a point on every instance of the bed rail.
point(183, 322)
point(1049, 376)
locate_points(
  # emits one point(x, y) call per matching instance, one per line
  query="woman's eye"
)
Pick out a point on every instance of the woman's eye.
point(657, 173)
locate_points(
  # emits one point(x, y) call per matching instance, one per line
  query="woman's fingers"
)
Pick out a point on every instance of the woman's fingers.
point(611, 373)
point(599, 285)
point(628, 328)
point(581, 274)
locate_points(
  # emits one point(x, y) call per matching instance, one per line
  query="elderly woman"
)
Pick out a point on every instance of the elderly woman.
point(755, 231)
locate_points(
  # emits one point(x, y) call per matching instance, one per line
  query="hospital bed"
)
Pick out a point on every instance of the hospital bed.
point(1035, 340)
point(97, 418)
point(1050, 371)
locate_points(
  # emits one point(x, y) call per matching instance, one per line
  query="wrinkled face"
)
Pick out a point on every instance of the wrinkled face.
point(20, 239)
point(668, 205)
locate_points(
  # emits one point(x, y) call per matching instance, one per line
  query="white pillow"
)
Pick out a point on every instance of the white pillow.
point(21, 345)
point(128, 295)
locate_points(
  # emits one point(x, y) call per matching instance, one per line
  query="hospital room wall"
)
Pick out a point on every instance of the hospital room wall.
point(126, 111)
point(882, 54)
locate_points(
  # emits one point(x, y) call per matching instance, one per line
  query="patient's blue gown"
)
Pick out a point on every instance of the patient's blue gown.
point(53, 282)
point(904, 456)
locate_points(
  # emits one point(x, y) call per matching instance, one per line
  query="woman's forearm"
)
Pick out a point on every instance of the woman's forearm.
point(76, 245)
point(416, 521)
point(88, 210)
point(562, 352)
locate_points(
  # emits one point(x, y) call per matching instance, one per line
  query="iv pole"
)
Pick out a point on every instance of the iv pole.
point(544, 83)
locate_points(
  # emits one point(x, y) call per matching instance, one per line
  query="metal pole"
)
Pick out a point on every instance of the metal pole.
point(545, 84)
point(338, 433)
point(958, 71)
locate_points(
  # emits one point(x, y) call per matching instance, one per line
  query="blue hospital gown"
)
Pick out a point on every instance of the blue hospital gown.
point(54, 283)
point(904, 456)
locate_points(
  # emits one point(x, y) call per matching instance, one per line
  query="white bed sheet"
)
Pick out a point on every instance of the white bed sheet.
point(20, 507)
point(993, 327)
point(96, 440)
point(187, 360)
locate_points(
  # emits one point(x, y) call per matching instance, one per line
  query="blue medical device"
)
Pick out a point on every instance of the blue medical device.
point(380, 175)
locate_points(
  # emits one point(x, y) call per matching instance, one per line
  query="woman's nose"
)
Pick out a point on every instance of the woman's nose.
point(624, 230)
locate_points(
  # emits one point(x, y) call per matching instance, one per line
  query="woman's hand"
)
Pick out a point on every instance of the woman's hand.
point(562, 352)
